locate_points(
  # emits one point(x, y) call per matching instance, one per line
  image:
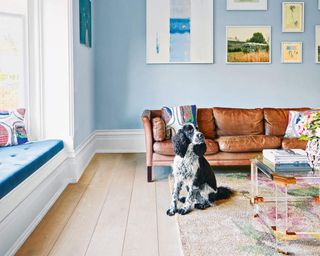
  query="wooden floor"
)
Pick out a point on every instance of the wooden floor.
point(112, 210)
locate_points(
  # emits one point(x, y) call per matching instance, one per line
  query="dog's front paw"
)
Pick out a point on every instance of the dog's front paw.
point(202, 206)
point(183, 211)
point(171, 212)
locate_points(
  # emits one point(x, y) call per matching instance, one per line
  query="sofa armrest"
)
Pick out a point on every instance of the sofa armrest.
point(146, 121)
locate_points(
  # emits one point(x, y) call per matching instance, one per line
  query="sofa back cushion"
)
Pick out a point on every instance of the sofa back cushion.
point(235, 121)
point(276, 120)
point(206, 123)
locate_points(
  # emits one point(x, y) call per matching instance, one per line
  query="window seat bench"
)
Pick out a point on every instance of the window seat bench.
point(17, 163)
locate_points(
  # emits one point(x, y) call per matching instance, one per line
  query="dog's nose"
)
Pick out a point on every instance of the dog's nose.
point(200, 136)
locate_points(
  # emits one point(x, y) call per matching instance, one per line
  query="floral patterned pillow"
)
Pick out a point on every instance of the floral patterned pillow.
point(12, 127)
point(294, 124)
point(176, 117)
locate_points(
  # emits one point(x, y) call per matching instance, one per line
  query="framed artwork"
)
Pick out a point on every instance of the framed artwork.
point(293, 17)
point(247, 5)
point(13, 60)
point(248, 44)
point(318, 44)
point(85, 22)
point(319, 4)
point(291, 52)
point(179, 31)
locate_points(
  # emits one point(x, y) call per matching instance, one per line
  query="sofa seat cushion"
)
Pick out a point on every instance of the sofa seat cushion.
point(18, 162)
point(166, 147)
point(234, 121)
point(248, 143)
point(294, 143)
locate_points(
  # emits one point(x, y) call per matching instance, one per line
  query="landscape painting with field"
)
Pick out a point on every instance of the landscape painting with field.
point(248, 44)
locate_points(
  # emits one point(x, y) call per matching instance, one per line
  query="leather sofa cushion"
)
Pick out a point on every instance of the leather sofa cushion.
point(166, 147)
point(249, 143)
point(294, 143)
point(206, 122)
point(158, 129)
point(276, 120)
point(233, 121)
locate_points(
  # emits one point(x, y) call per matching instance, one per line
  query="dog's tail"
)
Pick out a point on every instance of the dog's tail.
point(222, 193)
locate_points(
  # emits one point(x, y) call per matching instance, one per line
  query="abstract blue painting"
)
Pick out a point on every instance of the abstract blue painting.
point(179, 31)
point(180, 14)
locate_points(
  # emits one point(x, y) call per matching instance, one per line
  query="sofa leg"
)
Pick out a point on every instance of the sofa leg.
point(149, 173)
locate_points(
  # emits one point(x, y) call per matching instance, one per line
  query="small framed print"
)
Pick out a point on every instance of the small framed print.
point(251, 5)
point(319, 4)
point(293, 17)
point(291, 52)
point(318, 44)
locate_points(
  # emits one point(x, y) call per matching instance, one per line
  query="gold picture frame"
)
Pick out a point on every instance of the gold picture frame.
point(291, 52)
point(317, 43)
point(293, 17)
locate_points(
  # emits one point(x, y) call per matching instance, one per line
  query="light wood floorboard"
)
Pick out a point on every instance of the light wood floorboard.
point(112, 210)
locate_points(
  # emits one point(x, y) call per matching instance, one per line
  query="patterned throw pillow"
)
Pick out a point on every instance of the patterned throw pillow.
point(12, 128)
point(176, 117)
point(293, 128)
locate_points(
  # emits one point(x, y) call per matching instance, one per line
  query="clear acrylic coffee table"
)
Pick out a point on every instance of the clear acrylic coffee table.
point(287, 201)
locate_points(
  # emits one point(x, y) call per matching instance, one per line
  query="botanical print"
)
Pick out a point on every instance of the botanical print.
point(293, 17)
point(291, 52)
point(179, 31)
point(247, 4)
point(85, 22)
point(318, 44)
point(247, 44)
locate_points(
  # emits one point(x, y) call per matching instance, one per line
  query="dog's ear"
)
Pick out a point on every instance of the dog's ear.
point(200, 149)
point(180, 143)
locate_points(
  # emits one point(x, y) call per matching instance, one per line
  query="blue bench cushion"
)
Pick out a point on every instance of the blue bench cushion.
point(18, 162)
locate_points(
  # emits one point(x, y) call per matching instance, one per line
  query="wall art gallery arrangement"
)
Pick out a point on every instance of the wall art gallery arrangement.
point(181, 31)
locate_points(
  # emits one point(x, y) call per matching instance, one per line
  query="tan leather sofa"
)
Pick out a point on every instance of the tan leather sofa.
point(233, 136)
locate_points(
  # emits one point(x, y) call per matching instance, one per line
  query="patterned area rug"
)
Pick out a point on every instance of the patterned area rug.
point(228, 227)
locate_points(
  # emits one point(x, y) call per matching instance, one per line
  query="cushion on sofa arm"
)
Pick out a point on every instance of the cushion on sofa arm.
point(294, 143)
point(18, 162)
point(233, 121)
point(158, 129)
point(206, 123)
point(166, 147)
point(276, 120)
point(248, 143)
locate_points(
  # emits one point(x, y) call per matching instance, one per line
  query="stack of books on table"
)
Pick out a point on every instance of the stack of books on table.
point(287, 159)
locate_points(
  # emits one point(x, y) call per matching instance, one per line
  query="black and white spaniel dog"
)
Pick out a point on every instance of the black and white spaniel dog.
point(192, 170)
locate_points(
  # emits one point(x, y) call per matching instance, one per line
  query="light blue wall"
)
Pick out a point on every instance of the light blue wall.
point(125, 85)
point(84, 123)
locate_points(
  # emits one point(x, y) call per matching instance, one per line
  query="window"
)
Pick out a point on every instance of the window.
point(13, 62)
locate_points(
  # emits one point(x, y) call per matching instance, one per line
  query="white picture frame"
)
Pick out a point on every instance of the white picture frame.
point(317, 43)
point(179, 32)
point(291, 52)
point(248, 31)
point(318, 4)
point(247, 5)
point(293, 17)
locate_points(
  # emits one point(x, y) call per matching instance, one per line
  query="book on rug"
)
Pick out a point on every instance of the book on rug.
point(285, 156)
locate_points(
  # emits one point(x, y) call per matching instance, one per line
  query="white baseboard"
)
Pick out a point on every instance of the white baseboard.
point(25, 206)
point(120, 141)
